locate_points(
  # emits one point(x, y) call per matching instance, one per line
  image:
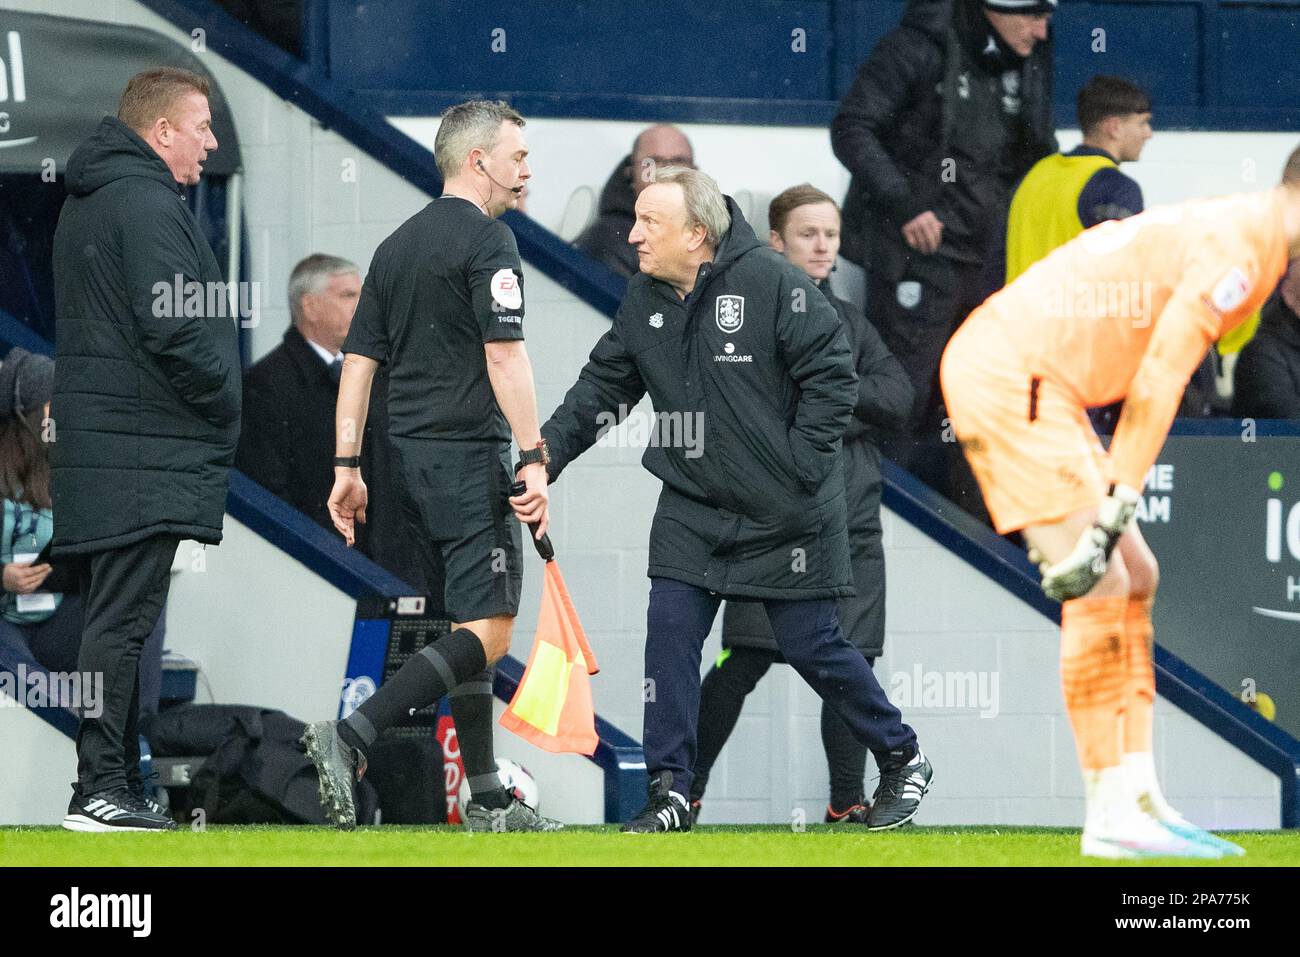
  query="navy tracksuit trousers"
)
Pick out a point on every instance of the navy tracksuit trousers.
point(809, 636)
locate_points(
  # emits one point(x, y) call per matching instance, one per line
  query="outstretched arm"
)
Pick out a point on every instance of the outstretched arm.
point(607, 388)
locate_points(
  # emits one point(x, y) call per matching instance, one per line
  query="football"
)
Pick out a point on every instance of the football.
point(515, 778)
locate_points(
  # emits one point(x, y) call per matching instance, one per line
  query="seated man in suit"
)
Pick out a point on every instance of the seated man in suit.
point(288, 437)
point(287, 442)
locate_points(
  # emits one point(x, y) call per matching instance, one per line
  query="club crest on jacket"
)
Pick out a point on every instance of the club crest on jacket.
point(729, 312)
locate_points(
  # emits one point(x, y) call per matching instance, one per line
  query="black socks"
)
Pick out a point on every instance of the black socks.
point(420, 682)
point(471, 709)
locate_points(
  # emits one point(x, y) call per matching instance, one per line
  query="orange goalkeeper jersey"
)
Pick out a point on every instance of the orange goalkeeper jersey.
point(1129, 308)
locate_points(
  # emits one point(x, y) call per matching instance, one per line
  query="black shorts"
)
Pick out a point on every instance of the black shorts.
point(454, 496)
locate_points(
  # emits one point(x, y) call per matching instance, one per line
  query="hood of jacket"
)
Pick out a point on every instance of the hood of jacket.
point(935, 18)
point(114, 151)
point(931, 17)
point(617, 198)
point(738, 240)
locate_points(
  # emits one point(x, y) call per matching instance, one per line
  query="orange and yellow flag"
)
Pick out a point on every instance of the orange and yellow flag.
point(552, 706)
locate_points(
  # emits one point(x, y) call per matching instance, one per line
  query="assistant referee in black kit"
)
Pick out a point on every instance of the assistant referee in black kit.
point(443, 306)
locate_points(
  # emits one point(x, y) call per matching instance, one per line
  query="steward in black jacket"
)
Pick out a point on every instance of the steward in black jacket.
point(757, 357)
point(941, 86)
point(146, 378)
point(944, 117)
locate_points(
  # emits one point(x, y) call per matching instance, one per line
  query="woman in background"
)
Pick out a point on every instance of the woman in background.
point(40, 610)
point(35, 622)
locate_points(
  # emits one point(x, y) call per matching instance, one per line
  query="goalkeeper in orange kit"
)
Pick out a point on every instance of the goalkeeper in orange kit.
point(1125, 311)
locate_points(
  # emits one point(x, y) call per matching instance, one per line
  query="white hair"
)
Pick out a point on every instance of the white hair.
point(310, 277)
point(705, 205)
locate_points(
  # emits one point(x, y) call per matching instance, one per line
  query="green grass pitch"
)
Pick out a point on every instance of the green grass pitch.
point(819, 845)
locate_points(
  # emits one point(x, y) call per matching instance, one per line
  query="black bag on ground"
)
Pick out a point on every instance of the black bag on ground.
point(407, 771)
point(254, 770)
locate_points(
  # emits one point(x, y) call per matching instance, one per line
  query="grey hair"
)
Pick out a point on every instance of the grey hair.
point(705, 205)
point(474, 124)
point(310, 277)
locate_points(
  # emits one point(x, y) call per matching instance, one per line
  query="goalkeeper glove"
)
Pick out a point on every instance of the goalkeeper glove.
point(1077, 574)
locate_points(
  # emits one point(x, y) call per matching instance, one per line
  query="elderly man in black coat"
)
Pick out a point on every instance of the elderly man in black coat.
point(805, 228)
point(146, 406)
point(724, 332)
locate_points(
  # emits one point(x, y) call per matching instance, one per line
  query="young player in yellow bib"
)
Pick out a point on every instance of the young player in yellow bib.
point(1126, 309)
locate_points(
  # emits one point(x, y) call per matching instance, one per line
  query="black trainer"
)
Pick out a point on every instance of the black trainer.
point(154, 806)
point(141, 787)
point(855, 813)
point(903, 782)
point(114, 810)
point(665, 811)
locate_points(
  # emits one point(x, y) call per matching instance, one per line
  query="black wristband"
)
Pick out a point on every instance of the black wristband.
point(530, 457)
point(347, 461)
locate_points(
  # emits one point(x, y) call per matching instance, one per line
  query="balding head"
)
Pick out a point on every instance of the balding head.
point(656, 147)
point(1291, 171)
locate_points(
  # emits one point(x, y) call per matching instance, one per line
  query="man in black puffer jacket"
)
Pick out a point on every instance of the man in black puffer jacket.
point(736, 344)
point(805, 228)
point(146, 405)
point(944, 117)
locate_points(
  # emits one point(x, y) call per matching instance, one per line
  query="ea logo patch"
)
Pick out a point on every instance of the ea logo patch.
point(729, 311)
point(506, 289)
point(657, 321)
point(909, 293)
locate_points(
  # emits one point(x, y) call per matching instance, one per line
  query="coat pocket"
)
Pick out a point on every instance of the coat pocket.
point(811, 465)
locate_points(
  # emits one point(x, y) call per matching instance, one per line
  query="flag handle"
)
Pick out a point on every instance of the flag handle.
point(543, 544)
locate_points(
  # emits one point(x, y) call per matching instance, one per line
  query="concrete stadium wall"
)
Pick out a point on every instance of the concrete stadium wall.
point(40, 764)
point(307, 190)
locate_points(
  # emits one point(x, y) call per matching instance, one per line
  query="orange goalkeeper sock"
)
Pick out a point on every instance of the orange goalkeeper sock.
point(1093, 676)
point(1140, 680)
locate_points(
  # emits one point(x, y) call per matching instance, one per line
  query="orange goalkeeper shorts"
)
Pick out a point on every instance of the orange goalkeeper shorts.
point(1027, 439)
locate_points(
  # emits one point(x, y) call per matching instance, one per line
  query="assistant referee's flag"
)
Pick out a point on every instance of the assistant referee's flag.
point(552, 706)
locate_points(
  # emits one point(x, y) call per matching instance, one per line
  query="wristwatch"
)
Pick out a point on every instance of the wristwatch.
point(347, 461)
point(540, 455)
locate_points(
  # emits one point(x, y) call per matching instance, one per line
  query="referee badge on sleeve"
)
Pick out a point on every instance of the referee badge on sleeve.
point(506, 290)
point(1231, 291)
